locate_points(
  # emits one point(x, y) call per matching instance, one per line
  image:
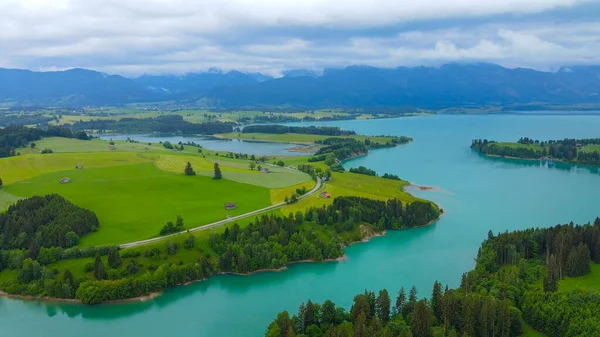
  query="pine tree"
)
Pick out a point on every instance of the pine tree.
point(552, 276)
point(114, 260)
point(218, 174)
point(189, 171)
point(420, 324)
point(99, 271)
point(383, 306)
point(1, 182)
point(401, 301)
point(412, 301)
point(436, 300)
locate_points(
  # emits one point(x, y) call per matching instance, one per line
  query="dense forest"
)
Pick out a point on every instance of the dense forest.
point(492, 300)
point(14, 137)
point(44, 222)
point(167, 124)
point(269, 242)
point(310, 130)
point(568, 150)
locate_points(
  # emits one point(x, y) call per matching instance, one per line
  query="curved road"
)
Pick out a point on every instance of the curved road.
point(225, 221)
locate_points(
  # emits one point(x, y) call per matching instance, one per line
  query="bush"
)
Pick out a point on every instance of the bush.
point(88, 267)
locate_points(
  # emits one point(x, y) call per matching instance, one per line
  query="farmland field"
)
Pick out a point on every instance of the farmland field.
point(133, 202)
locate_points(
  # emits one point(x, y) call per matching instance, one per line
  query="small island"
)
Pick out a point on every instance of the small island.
point(575, 151)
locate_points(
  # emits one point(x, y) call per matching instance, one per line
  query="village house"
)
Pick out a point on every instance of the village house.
point(65, 180)
point(230, 205)
point(325, 195)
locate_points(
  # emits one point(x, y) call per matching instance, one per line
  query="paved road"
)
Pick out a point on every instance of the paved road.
point(222, 222)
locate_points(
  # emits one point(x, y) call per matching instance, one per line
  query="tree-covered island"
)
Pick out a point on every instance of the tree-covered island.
point(577, 151)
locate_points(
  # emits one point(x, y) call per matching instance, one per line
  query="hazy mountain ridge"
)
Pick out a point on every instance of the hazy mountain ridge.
point(450, 85)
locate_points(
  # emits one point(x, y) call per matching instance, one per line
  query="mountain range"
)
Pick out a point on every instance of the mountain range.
point(451, 85)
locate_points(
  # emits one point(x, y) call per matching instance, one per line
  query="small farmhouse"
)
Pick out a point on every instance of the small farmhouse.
point(325, 195)
point(79, 166)
point(65, 180)
point(230, 205)
point(264, 170)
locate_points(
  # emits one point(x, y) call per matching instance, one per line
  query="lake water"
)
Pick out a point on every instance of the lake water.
point(232, 145)
point(477, 193)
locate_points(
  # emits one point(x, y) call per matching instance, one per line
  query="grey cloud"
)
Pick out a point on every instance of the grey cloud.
point(161, 36)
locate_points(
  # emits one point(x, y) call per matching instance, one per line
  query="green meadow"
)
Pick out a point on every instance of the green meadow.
point(133, 202)
point(590, 281)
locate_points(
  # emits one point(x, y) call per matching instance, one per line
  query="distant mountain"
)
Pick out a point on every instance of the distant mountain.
point(73, 87)
point(452, 85)
point(198, 83)
point(422, 87)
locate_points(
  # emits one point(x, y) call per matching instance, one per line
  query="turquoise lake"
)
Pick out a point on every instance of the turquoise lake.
point(477, 193)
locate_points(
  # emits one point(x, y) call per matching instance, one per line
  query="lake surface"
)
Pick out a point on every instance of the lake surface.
point(232, 145)
point(477, 193)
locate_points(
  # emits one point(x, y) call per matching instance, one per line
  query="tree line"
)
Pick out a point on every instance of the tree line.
point(569, 150)
point(492, 300)
point(14, 137)
point(167, 124)
point(310, 130)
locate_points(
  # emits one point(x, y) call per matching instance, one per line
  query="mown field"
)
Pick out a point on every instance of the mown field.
point(134, 201)
point(295, 137)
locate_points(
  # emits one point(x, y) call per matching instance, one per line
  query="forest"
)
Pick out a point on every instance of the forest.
point(492, 300)
point(310, 130)
point(269, 242)
point(44, 222)
point(568, 150)
point(14, 137)
point(167, 124)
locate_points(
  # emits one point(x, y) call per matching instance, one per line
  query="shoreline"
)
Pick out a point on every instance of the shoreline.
point(536, 159)
point(154, 295)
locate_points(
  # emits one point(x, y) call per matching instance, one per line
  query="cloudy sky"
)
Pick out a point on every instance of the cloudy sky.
point(133, 37)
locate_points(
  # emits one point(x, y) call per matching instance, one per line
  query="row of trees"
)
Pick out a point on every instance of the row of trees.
point(310, 130)
point(492, 300)
point(166, 123)
point(446, 312)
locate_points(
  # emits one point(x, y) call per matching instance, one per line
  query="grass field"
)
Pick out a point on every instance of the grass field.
point(133, 202)
point(238, 171)
point(590, 281)
point(294, 137)
point(6, 199)
point(352, 184)
point(591, 148)
point(528, 331)
point(23, 167)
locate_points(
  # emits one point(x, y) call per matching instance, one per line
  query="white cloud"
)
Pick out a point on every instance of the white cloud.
point(139, 36)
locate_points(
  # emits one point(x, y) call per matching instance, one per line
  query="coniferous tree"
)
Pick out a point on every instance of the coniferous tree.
point(189, 171)
point(218, 174)
point(552, 275)
point(420, 324)
point(99, 270)
point(436, 300)
point(114, 259)
point(383, 306)
point(412, 301)
point(401, 301)
point(1, 182)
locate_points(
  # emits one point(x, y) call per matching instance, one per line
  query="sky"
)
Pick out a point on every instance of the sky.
point(134, 37)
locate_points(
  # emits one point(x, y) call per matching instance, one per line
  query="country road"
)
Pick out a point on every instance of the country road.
point(225, 221)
